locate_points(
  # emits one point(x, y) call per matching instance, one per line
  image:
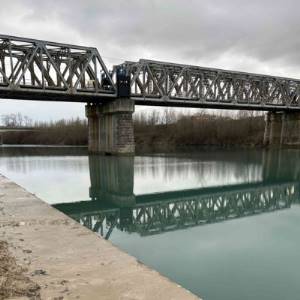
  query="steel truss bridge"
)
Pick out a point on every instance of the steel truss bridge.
point(39, 70)
point(161, 212)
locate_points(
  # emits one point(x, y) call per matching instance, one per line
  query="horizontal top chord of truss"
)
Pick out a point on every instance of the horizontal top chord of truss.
point(39, 70)
point(169, 84)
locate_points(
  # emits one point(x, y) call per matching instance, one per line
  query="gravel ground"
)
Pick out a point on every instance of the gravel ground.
point(13, 282)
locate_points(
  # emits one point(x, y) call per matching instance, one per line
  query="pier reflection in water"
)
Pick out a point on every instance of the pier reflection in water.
point(114, 205)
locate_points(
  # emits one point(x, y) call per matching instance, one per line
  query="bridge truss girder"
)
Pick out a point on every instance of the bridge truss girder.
point(169, 84)
point(40, 70)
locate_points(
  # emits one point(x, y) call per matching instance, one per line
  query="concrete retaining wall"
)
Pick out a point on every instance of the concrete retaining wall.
point(69, 261)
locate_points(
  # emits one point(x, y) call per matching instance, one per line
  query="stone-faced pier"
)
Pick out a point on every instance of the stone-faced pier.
point(282, 129)
point(111, 127)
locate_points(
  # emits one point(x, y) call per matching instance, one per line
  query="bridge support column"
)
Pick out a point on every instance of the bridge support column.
point(282, 129)
point(291, 129)
point(273, 129)
point(92, 113)
point(111, 127)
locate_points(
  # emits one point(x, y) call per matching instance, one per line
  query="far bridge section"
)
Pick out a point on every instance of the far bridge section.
point(170, 84)
point(40, 70)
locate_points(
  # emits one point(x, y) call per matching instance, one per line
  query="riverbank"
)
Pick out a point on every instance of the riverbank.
point(166, 131)
point(56, 258)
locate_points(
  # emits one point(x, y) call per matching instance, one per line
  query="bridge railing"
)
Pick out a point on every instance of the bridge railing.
point(168, 83)
point(30, 66)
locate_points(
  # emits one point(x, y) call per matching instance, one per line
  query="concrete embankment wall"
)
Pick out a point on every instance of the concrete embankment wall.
point(69, 261)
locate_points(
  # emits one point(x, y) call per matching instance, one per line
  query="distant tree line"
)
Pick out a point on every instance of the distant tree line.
point(164, 130)
point(16, 120)
point(62, 132)
point(168, 131)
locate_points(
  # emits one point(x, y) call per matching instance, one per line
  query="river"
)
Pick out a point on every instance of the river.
point(223, 224)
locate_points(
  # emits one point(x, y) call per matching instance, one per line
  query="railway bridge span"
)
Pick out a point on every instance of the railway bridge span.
point(33, 69)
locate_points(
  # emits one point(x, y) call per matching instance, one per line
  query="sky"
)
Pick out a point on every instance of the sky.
point(260, 36)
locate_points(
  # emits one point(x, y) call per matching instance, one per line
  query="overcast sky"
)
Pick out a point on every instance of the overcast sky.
point(259, 36)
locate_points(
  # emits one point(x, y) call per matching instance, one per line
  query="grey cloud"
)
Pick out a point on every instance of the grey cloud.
point(264, 29)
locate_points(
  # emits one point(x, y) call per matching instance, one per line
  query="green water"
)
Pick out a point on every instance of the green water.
point(223, 224)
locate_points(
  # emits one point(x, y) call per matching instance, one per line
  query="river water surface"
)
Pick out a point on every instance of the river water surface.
point(223, 224)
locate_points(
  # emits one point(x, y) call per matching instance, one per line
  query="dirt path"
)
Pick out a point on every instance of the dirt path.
point(13, 282)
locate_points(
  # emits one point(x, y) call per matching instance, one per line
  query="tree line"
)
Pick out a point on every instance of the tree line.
point(62, 132)
point(170, 131)
point(158, 130)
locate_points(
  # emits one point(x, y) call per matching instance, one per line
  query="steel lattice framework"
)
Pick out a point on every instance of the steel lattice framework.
point(169, 84)
point(198, 210)
point(39, 70)
point(168, 214)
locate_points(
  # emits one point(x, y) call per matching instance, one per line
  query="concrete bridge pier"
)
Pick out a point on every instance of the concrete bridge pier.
point(282, 129)
point(273, 126)
point(111, 127)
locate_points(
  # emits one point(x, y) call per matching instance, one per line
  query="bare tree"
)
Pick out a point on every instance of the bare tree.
point(15, 120)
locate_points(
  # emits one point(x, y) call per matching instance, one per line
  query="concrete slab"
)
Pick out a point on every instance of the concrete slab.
point(67, 260)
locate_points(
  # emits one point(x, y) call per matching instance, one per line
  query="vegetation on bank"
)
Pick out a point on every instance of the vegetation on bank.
point(180, 132)
point(156, 131)
point(62, 132)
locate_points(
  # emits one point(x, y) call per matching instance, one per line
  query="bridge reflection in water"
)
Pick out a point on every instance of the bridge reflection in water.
point(114, 205)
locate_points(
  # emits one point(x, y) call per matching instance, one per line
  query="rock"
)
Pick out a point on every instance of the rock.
point(27, 251)
point(39, 272)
